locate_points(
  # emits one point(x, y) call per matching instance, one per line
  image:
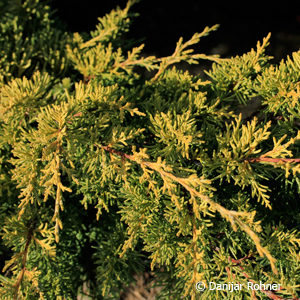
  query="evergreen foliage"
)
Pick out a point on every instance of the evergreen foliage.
point(105, 173)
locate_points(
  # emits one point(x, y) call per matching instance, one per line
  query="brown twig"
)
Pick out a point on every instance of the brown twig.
point(24, 259)
point(86, 79)
point(250, 159)
point(269, 294)
point(79, 114)
point(274, 160)
point(238, 261)
point(119, 153)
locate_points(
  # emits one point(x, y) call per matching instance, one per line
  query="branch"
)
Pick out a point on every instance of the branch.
point(230, 215)
point(24, 259)
point(119, 153)
point(269, 294)
point(86, 79)
point(274, 160)
point(238, 261)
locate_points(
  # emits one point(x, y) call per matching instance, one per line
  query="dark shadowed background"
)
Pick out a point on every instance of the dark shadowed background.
point(161, 23)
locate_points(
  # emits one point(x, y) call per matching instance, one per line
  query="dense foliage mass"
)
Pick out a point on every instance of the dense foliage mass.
point(106, 172)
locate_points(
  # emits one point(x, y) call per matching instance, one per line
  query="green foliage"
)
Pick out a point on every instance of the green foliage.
point(29, 41)
point(106, 173)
